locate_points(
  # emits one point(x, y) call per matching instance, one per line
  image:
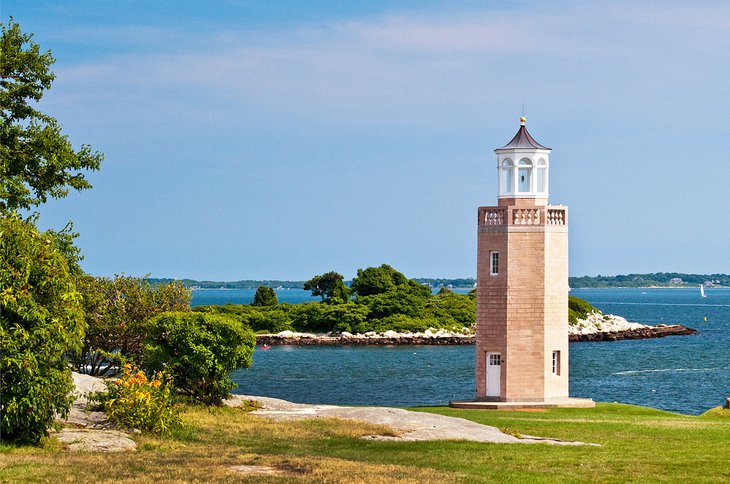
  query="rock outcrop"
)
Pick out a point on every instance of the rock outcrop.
point(388, 338)
point(607, 327)
point(86, 430)
point(596, 327)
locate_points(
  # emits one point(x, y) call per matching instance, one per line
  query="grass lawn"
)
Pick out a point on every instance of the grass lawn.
point(637, 444)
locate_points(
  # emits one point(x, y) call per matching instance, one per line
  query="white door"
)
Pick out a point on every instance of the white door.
point(494, 374)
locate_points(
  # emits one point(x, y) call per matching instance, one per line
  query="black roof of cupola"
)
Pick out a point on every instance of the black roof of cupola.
point(523, 139)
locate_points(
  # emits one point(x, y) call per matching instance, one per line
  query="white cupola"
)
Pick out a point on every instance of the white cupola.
point(522, 168)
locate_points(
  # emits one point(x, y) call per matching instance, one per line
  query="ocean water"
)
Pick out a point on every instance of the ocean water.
point(685, 374)
point(219, 297)
point(205, 297)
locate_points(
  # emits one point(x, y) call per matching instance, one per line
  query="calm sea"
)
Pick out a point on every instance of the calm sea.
point(686, 374)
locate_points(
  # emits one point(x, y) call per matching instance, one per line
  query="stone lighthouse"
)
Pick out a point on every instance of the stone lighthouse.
point(522, 286)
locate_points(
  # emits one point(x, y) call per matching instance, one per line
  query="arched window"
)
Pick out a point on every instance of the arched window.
point(541, 176)
point(524, 175)
point(507, 186)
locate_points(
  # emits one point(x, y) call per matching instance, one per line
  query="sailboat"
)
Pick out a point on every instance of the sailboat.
point(702, 290)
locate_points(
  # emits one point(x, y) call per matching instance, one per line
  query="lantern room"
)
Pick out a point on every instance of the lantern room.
point(523, 169)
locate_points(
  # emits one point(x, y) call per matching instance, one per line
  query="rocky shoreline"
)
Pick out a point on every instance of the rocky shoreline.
point(609, 328)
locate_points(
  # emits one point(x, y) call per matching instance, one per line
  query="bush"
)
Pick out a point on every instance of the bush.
point(135, 402)
point(451, 309)
point(116, 313)
point(199, 350)
point(268, 320)
point(579, 309)
point(324, 318)
point(40, 321)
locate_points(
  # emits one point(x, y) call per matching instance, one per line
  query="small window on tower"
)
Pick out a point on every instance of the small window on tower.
point(556, 362)
point(493, 263)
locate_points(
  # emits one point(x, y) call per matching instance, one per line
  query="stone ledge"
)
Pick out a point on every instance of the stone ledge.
point(558, 403)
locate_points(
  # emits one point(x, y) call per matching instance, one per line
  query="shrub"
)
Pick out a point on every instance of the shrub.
point(116, 312)
point(451, 309)
point(40, 321)
point(579, 309)
point(315, 317)
point(133, 401)
point(268, 320)
point(199, 350)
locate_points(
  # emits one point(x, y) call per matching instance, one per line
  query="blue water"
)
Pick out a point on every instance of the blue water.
point(205, 297)
point(686, 374)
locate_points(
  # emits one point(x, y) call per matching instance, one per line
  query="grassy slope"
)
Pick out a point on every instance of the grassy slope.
point(638, 444)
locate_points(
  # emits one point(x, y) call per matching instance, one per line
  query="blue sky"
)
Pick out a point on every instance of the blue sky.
point(259, 139)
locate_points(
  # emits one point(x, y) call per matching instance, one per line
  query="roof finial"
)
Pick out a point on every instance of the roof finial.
point(522, 120)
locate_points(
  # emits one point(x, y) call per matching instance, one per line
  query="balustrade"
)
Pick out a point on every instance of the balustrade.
point(500, 216)
point(556, 216)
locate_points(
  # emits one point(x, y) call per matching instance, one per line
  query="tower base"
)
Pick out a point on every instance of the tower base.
point(556, 403)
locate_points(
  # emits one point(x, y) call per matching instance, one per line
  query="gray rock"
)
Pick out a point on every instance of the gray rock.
point(412, 425)
point(83, 440)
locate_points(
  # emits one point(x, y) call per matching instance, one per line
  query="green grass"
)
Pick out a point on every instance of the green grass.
point(637, 444)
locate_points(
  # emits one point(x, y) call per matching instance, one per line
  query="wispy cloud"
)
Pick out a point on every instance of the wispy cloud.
point(386, 67)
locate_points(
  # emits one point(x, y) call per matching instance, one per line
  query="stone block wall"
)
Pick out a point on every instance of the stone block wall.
point(522, 311)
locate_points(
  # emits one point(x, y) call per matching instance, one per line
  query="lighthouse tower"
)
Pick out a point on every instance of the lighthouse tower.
point(522, 284)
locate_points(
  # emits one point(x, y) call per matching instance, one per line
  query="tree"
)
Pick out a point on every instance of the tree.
point(330, 286)
point(36, 160)
point(41, 321)
point(116, 312)
point(265, 296)
point(377, 280)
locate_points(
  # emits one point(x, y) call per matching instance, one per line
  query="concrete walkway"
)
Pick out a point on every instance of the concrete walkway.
point(412, 425)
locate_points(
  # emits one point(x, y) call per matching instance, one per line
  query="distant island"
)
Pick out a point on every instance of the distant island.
point(467, 282)
point(656, 279)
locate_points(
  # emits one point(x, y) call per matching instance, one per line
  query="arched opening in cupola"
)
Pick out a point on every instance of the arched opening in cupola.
point(524, 175)
point(507, 183)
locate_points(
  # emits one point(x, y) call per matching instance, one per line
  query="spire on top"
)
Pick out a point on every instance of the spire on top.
point(523, 140)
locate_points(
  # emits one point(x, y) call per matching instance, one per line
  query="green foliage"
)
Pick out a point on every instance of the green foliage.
point(133, 401)
point(398, 322)
point(387, 292)
point(392, 302)
point(36, 159)
point(377, 280)
point(269, 320)
point(199, 351)
point(325, 318)
point(41, 320)
point(265, 296)
point(451, 310)
point(117, 310)
point(579, 309)
point(330, 287)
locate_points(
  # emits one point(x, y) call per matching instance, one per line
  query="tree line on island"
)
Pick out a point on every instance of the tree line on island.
point(654, 279)
point(378, 299)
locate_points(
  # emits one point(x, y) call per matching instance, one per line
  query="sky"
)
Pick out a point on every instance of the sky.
point(279, 140)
